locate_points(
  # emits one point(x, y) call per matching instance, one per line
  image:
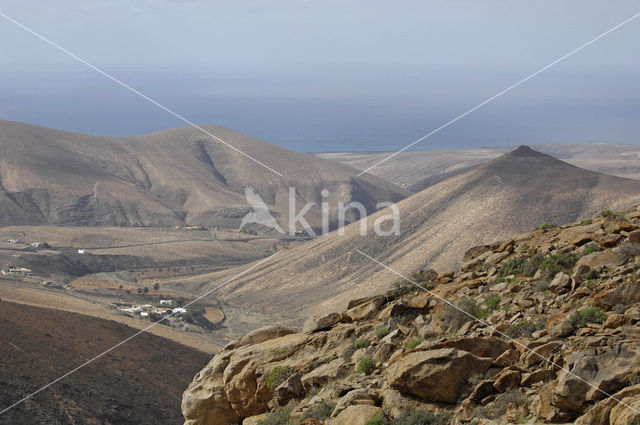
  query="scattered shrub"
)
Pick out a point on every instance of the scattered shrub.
point(382, 331)
point(278, 375)
point(514, 266)
point(361, 343)
point(554, 264)
point(546, 226)
point(280, 416)
point(366, 365)
point(493, 302)
point(587, 315)
point(421, 417)
point(542, 285)
point(454, 317)
point(525, 328)
point(378, 419)
point(634, 378)
point(608, 214)
point(498, 407)
point(320, 411)
point(586, 222)
point(591, 274)
point(413, 343)
point(590, 248)
point(589, 284)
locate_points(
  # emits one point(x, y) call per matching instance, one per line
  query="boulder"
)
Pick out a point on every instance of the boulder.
point(634, 237)
point(627, 295)
point(482, 347)
point(288, 390)
point(323, 373)
point(497, 257)
point(559, 326)
point(232, 386)
point(560, 284)
point(435, 375)
point(366, 310)
point(598, 259)
point(474, 252)
point(357, 414)
point(606, 372)
point(315, 324)
point(611, 412)
point(358, 394)
point(541, 353)
point(264, 334)
point(507, 379)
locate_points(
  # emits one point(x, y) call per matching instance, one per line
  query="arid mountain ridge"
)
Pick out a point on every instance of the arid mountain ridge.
point(172, 177)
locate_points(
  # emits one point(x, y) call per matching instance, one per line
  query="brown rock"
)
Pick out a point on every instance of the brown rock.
point(497, 257)
point(620, 226)
point(435, 375)
point(323, 373)
point(559, 326)
point(543, 407)
point(264, 334)
point(560, 284)
point(288, 390)
point(627, 294)
point(507, 379)
point(492, 347)
point(315, 324)
point(541, 354)
point(614, 321)
point(610, 240)
point(539, 375)
point(597, 259)
point(611, 412)
point(474, 252)
point(357, 414)
point(507, 358)
point(634, 237)
point(366, 310)
point(606, 372)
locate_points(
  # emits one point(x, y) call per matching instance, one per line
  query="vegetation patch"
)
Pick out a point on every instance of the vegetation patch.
point(413, 343)
point(525, 328)
point(320, 411)
point(278, 375)
point(382, 331)
point(361, 343)
point(378, 419)
point(466, 310)
point(493, 302)
point(587, 315)
point(607, 214)
point(421, 417)
point(280, 416)
point(366, 365)
point(554, 264)
point(547, 226)
point(586, 222)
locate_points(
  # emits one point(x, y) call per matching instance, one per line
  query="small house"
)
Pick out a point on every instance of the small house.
point(82, 251)
point(12, 241)
point(166, 302)
point(179, 310)
point(36, 244)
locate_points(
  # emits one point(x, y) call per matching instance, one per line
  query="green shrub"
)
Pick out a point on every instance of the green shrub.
point(591, 274)
point(628, 250)
point(361, 343)
point(493, 302)
point(525, 328)
point(320, 411)
point(546, 226)
point(587, 315)
point(382, 331)
point(378, 419)
point(366, 365)
point(514, 266)
point(590, 248)
point(413, 343)
point(608, 214)
point(280, 416)
point(554, 264)
point(278, 375)
point(586, 222)
point(634, 378)
point(421, 417)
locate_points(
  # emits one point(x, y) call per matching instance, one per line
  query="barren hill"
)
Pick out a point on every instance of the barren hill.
point(417, 170)
point(511, 194)
point(138, 383)
point(178, 176)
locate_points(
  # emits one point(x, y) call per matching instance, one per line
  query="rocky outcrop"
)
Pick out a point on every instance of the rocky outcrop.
point(542, 328)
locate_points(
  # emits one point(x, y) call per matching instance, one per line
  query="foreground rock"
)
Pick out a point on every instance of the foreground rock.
point(555, 334)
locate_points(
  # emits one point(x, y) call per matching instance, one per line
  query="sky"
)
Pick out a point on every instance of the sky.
point(328, 75)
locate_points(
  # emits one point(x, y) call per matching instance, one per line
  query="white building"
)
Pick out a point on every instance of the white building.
point(166, 302)
point(82, 251)
point(179, 310)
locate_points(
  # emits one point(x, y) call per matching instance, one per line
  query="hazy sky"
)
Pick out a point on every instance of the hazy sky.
point(328, 75)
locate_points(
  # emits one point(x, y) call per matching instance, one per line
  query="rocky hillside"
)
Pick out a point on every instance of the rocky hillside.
point(541, 328)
